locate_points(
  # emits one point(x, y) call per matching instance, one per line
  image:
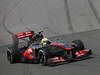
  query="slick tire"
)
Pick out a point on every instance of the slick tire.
point(78, 44)
point(43, 58)
point(10, 56)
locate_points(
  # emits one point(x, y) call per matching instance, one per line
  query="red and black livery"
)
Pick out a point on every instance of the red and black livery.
point(54, 52)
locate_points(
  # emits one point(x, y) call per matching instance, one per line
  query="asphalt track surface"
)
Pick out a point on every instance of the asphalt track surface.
point(67, 20)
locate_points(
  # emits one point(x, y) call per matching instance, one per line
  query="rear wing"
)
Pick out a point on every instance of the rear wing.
point(21, 35)
point(25, 34)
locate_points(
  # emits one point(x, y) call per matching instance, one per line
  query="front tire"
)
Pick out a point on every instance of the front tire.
point(36, 61)
point(43, 58)
point(78, 44)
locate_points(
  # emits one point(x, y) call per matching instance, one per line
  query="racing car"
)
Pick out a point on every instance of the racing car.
point(15, 53)
point(49, 53)
point(57, 52)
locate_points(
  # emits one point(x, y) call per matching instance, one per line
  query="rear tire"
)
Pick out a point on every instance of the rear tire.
point(10, 56)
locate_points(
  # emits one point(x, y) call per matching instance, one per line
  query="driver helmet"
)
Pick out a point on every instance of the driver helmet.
point(44, 41)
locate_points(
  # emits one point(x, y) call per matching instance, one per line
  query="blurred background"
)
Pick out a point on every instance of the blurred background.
point(55, 17)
